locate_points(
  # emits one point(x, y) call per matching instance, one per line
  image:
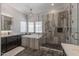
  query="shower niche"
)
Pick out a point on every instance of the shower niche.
point(60, 30)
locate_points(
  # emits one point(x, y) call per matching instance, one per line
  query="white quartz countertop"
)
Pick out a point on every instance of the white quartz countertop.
point(10, 35)
point(70, 49)
point(36, 36)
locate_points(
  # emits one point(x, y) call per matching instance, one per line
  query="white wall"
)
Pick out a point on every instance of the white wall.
point(78, 22)
point(17, 17)
point(0, 28)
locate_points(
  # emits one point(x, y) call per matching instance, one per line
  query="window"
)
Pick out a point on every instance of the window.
point(38, 27)
point(35, 27)
point(23, 26)
point(30, 26)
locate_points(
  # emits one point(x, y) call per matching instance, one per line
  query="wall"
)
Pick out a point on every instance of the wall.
point(16, 16)
point(51, 23)
point(74, 20)
point(78, 22)
point(55, 12)
point(0, 29)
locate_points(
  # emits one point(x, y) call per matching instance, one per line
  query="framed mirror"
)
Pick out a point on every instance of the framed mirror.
point(6, 22)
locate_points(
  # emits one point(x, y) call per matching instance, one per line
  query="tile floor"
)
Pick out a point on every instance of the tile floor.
point(31, 52)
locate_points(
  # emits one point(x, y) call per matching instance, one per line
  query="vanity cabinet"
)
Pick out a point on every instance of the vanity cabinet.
point(19, 40)
point(31, 41)
point(25, 42)
point(8, 43)
point(11, 42)
point(3, 45)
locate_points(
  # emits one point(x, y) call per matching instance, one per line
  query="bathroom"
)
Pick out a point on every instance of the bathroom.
point(39, 29)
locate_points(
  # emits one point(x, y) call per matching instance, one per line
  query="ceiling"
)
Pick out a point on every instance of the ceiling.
point(36, 7)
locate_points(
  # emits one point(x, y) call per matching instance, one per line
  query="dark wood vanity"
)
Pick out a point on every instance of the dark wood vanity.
point(10, 42)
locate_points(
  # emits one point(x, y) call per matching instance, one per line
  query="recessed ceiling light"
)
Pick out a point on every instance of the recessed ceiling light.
point(52, 4)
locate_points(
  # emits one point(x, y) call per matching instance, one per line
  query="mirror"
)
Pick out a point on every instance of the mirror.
point(6, 22)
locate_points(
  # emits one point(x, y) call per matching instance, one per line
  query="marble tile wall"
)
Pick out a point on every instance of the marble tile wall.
point(50, 34)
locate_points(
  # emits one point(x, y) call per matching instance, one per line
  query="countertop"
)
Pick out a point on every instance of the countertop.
point(70, 49)
point(36, 36)
point(13, 34)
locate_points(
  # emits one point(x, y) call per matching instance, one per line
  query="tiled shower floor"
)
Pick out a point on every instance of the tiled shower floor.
point(54, 46)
